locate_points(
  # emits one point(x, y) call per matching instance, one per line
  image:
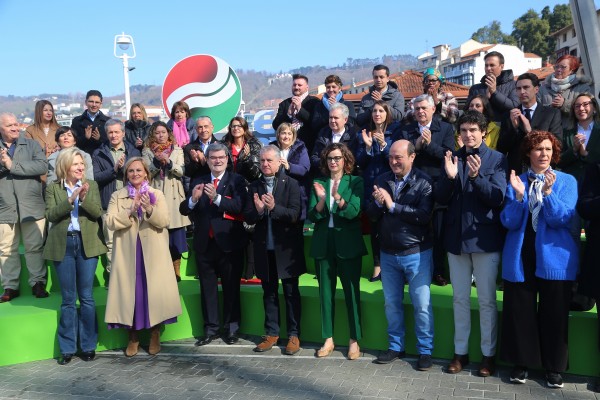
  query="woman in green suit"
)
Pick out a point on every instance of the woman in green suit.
point(74, 243)
point(337, 243)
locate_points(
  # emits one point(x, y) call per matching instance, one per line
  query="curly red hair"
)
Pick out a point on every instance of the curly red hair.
point(534, 138)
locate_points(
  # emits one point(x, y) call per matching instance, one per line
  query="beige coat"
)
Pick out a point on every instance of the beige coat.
point(171, 186)
point(163, 295)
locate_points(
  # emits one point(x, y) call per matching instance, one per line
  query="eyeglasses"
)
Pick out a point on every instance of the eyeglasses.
point(585, 104)
point(235, 126)
point(215, 158)
point(561, 67)
point(336, 159)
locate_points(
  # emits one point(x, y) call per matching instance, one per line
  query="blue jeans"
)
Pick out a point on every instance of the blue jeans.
point(396, 271)
point(76, 275)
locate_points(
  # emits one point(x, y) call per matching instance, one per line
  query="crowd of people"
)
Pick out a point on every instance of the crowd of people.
point(505, 184)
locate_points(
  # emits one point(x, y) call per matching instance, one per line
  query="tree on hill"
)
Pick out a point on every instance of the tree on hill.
point(557, 19)
point(492, 33)
point(531, 33)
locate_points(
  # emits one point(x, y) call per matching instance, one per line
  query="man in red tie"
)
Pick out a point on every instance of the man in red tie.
point(215, 204)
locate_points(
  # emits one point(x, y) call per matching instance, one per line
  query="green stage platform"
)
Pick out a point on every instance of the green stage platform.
point(29, 325)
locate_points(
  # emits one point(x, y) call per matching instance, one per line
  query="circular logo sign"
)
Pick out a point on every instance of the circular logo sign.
point(208, 85)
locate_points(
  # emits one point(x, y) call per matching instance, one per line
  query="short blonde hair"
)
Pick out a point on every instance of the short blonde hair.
point(65, 160)
point(131, 161)
point(286, 125)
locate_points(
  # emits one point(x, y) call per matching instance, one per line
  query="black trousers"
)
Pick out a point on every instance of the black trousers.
point(214, 264)
point(536, 333)
point(291, 293)
point(439, 254)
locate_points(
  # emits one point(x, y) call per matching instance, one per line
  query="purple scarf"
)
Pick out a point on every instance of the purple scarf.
point(145, 188)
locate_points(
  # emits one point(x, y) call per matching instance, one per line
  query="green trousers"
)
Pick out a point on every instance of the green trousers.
point(328, 269)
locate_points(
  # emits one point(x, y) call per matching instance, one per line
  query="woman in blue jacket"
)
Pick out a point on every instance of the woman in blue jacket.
point(540, 258)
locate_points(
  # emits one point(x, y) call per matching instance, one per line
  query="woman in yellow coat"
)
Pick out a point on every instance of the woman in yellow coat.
point(142, 292)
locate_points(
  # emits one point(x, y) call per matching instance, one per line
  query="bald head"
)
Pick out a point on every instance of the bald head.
point(401, 158)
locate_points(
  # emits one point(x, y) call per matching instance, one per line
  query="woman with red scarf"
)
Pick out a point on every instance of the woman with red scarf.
point(244, 149)
point(165, 159)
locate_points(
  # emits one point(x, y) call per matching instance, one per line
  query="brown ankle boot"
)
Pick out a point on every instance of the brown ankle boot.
point(133, 345)
point(176, 267)
point(154, 347)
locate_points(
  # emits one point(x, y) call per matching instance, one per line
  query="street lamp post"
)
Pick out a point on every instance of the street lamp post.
point(124, 42)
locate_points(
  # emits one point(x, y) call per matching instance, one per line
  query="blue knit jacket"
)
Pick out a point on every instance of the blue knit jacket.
point(557, 254)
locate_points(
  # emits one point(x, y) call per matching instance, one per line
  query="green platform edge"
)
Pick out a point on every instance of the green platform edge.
point(28, 325)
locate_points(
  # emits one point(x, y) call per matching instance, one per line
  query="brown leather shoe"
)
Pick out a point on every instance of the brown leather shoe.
point(457, 364)
point(154, 347)
point(267, 344)
point(293, 346)
point(487, 366)
point(39, 290)
point(8, 295)
point(133, 344)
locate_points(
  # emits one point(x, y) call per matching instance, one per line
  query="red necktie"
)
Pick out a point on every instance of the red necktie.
point(211, 234)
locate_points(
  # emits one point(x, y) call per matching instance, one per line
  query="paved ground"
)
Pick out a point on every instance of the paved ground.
point(218, 371)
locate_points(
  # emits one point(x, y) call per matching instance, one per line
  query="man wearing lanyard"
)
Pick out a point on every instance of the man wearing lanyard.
point(22, 161)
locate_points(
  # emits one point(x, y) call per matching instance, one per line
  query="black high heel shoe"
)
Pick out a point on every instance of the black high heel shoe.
point(375, 278)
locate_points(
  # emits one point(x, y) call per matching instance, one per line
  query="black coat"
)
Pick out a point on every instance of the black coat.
point(306, 133)
point(429, 158)
point(588, 207)
point(194, 169)
point(229, 234)
point(299, 163)
point(135, 129)
point(349, 138)
point(320, 118)
point(504, 98)
point(472, 221)
point(104, 170)
point(248, 166)
point(408, 227)
point(81, 122)
point(544, 119)
point(286, 225)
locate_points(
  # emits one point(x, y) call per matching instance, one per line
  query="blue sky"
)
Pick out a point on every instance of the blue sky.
point(66, 46)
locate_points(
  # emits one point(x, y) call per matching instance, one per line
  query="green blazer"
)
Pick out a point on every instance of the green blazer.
point(574, 164)
point(58, 213)
point(348, 238)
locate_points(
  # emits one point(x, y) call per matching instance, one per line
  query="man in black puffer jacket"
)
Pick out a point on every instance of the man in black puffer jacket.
point(498, 85)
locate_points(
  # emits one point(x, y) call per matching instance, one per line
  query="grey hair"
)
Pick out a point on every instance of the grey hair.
point(270, 147)
point(342, 107)
point(114, 121)
point(204, 117)
point(7, 115)
point(425, 97)
point(216, 146)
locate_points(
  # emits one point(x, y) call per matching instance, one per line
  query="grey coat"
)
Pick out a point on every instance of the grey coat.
point(581, 84)
point(21, 196)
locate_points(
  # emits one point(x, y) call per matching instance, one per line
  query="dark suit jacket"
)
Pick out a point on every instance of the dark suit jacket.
point(472, 221)
point(320, 117)
point(429, 158)
point(229, 234)
point(82, 121)
point(574, 164)
point(349, 138)
point(306, 132)
point(194, 169)
point(348, 238)
point(286, 226)
point(509, 142)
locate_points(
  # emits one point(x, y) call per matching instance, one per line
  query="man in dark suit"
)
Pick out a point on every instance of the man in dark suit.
point(530, 115)
point(278, 246)
point(194, 153)
point(432, 138)
point(215, 205)
point(89, 126)
point(338, 131)
point(298, 110)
